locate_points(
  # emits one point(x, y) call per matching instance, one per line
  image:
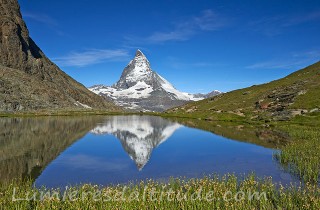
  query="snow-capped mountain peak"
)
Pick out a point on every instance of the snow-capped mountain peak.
point(138, 70)
point(139, 53)
point(141, 88)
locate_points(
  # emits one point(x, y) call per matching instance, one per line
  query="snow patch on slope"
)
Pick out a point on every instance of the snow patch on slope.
point(167, 86)
point(83, 105)
point(139, 90)
point(141, 70)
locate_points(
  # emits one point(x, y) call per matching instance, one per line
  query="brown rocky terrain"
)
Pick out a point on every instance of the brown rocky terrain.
point(28, 79)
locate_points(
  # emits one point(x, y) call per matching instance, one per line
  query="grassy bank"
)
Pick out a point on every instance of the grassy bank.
point(302, 155)
point(227, 192)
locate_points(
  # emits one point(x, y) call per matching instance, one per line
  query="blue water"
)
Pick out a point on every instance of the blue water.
point(132, 148)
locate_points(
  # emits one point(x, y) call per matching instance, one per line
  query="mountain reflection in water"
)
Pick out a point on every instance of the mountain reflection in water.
point(57, 151)
point(139, 135)
point(28, 145)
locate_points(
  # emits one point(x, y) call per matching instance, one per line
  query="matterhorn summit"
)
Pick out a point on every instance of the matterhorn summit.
point(138, 70)
point(141, 88)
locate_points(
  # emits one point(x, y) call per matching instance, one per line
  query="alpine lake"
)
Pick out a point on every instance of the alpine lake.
point(103, 150)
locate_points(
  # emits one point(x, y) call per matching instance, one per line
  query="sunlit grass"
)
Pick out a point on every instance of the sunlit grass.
point(302, 155)
point(213, 192)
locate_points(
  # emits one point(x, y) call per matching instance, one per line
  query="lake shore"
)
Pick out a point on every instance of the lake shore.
point(300, 156)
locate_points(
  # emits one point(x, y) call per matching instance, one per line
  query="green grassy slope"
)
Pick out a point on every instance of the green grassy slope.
point(287, 96)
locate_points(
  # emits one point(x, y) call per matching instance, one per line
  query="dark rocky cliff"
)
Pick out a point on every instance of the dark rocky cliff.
point(28, 79)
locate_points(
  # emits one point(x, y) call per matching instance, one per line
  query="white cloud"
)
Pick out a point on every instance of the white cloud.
point(40, 18)
point(294, 61)
point(45, 20)
point(274, 65)
point(207, 21)
point(90, 57)
point(176, 63)
point(275, 25)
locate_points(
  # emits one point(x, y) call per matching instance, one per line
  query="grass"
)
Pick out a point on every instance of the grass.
point(212, 192)
point(302, 156)
point(242, 103)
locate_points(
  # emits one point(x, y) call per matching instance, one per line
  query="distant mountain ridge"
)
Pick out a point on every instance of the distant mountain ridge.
point(208, 95)
point(141, 88)
point(28, 79)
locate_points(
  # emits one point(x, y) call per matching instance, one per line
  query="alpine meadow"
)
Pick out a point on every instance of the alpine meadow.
point(159, 104)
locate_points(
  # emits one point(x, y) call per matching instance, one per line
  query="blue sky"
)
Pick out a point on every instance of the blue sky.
point(197, 45)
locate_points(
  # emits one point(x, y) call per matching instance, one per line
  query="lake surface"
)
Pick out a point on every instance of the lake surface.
point(59, 151)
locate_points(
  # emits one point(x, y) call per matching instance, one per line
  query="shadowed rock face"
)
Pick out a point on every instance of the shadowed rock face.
point(28, 79)
point(139, 135)
point(28, 145)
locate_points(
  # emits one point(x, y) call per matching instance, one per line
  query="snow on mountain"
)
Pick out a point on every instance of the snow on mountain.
point(139, 135)
point(167, 86)
point(141, 88)
point(208, 95)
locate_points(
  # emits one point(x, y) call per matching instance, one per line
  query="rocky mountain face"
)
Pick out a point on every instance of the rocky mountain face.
point(141, 88)
point(28, 79)
point(139, 135)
